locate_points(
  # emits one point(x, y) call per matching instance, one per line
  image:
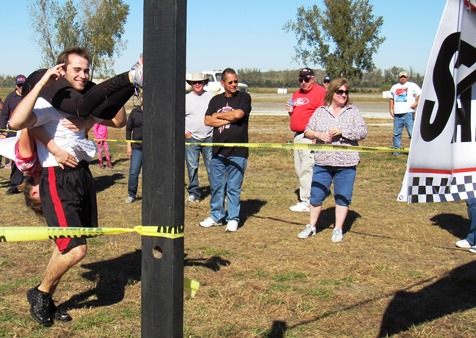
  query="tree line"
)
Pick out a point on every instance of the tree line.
point(376, 79)
point(7, 81)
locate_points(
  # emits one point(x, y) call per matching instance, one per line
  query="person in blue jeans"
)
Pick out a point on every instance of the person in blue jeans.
point(404, 98)
point(134, 150)
point(196, 105)
point(228, 113)
point(470, 241)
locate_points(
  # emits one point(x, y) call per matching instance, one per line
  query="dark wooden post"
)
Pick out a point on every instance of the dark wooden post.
point(163, 165)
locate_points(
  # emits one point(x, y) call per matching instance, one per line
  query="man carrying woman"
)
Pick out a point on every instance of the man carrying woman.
point(68, 196)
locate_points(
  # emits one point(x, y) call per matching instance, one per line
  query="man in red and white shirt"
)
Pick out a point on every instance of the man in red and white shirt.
point(305, 101)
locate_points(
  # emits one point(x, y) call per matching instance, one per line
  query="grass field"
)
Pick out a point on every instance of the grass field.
point(396, 273)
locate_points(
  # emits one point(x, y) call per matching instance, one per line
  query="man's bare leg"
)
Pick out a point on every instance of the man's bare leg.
point(59, 264)
point(42, 308)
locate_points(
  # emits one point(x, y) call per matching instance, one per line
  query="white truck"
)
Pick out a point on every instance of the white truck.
point(214, 82)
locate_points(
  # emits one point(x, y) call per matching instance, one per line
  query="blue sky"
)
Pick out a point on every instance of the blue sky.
point(240, 34)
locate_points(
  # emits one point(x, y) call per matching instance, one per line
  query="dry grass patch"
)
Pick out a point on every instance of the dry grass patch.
point(396, 271)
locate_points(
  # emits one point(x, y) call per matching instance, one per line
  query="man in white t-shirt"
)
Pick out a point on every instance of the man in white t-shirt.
point(196, 105)
point(404, 97)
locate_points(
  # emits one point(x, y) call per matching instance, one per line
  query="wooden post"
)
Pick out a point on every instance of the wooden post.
point(163, 165)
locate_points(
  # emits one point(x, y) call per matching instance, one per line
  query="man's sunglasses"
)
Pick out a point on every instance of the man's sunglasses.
point(196, 82)
point(403, 76)
point(304, 79)
point(231, 82)
point(340, 92)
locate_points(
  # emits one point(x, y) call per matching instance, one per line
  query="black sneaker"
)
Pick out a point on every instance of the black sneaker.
point(39, 306)
point(58, 314)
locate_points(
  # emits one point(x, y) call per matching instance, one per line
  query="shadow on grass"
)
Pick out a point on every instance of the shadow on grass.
point(450, 294)
point(456, 225)
point(213, 263)
point(111, 277)
point(278, 330)
point(106, 181)
point(113, 162)
point(205, 191)
point(250, 208)
point(114, 275)
point(327, 219)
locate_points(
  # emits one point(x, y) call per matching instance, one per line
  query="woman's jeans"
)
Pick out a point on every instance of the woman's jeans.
point(343, 177)
point(134, 171)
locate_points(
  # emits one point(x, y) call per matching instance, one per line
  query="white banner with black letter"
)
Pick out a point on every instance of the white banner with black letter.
point(442, 160)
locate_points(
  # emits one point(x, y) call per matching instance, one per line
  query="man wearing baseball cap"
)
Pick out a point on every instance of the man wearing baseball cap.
point(404, 97)
point(12, 100)
point(305, 101)
point(326, 81)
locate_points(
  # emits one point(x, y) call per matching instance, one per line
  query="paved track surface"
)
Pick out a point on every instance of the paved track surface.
point(272, 107)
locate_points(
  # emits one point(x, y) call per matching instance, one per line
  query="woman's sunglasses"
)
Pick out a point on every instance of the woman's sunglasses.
point(341, 92)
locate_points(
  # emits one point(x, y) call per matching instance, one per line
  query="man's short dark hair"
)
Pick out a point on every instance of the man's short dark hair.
point(64, 55)
point(227, 71)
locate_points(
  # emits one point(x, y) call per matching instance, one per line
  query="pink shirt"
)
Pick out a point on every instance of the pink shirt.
point(100, 131)
point(28, 165)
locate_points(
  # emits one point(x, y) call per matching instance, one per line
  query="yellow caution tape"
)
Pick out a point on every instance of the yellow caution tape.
point(190, 286)
point(112, 140)
point(304, 146)
point(24, 234)
point(291, 146)
point(299, 146)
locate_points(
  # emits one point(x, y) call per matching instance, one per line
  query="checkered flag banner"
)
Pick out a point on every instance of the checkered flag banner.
point(440, 187)
point(441, 164)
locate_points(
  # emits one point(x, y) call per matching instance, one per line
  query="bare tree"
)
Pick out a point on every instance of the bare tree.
point(97, 25)
point(342, 37)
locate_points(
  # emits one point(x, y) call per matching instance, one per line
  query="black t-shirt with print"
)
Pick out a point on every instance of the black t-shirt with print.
point(236, 132)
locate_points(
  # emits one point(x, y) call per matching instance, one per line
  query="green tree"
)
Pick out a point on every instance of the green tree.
point(97, 25)
point(341, 38)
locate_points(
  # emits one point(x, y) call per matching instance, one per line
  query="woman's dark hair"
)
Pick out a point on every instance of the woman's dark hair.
point(32, 203)
point(32, 80)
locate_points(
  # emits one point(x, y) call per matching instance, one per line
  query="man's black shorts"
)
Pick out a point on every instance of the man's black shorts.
point(68, 199)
